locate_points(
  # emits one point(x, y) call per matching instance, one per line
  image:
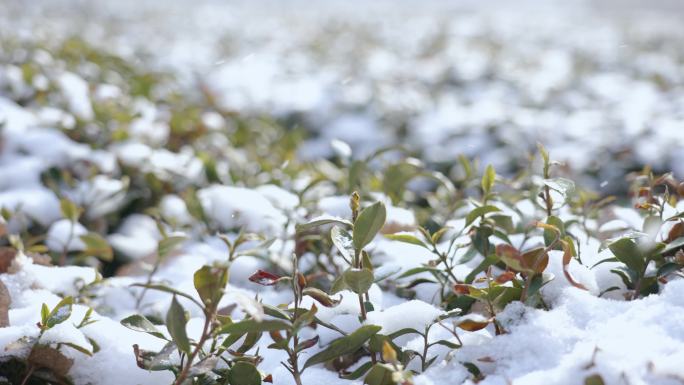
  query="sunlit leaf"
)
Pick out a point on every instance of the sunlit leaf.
point(368, 224)
point(345, 345)
point(175, 323)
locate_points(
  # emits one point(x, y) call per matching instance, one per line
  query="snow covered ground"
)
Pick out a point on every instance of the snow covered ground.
point(146, 156)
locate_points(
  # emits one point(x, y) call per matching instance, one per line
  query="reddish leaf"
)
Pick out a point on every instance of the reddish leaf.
point(676, 231)
point(320, 296)
point(462, 289)
point(505, 277)
point(567, 257)
point(264, 278)
point(306, 344)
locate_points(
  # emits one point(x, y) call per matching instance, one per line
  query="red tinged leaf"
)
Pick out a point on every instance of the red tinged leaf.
point(461, 289)
point(505, 250)
point(536, 259)
point(264, 278)
point(301, 281)
point(567, 257)
point(473, 322)
point(505, 277)
point(675, 232)
point(306, 344)
point(275, 335)
point(321, 297)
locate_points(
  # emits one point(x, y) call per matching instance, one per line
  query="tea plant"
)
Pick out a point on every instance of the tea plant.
point(46, 360)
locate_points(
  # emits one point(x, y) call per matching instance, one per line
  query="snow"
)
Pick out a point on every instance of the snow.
point(234, 207)
point(582, 335)
point(76, 92)
point(355, 80)
point(39, 204)
point(137, 237)
point(397, 317)
point(100, 195)
point(173, 209)
point(65, 235)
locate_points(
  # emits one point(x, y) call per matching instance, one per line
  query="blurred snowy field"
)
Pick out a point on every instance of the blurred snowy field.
point(600, 83)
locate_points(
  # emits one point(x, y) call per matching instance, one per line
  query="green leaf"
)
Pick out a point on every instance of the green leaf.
point(167, 245)
point(209, 282)
point(448, 344)
point(467, 167)
point(358, 280)
point(276, 312)
point(244, 373)
point(438, 235)
point(562, 185)
point(160, 287)
point(158, 361)
point(549, 234)
point(69, 210)
point(250, 340)
point(488, 179)
point(402, 332)
point(175, 323)
point(676, 244)
point(490, 260)
point(418, 270)
point(481, 239)
point(345, 345)
point(395, 178)
point(97, 246)
point(254, 326)
point(538, 281)
point(627, 275)
point(320, 222)
point(78, 348)
point(478, 212)
point(60, 313)
point(304, 317)
point(627, 252)
point(44, 313)
point(406, 238)
point(473, 369)
point(356, 171)
point(594, 379)
point(140, 323)
point(668, 268)
point(504, 222)
point(380, 374)
point(338, 285)
point(204, 366)
point(360, 371)
point(545, 156)
point(343, 241)
point(468, 256)
point(368, 224)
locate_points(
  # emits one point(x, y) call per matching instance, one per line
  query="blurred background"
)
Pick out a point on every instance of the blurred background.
point(600, 83)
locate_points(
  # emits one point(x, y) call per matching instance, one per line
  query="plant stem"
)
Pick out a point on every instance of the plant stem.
point(423, 364)
point(65, 250)
point(205, 334)
point(138, 301)
point(294, 361)
point(29, 372)
point(547, 200)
